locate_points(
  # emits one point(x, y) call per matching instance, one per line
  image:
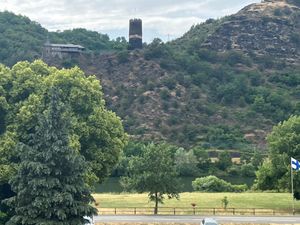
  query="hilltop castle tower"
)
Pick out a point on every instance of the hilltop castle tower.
point(135, 34)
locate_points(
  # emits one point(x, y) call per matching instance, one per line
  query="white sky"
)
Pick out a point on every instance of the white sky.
point(161, 18)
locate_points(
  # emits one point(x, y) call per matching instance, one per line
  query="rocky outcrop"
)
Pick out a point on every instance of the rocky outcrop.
point(268, 28)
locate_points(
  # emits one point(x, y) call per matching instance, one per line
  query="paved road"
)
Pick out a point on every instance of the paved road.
point(197, 219)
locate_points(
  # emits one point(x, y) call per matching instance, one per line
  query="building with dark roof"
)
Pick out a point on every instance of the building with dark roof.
point(62, 50)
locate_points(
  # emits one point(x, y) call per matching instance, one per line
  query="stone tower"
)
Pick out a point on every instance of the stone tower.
point(135, 34)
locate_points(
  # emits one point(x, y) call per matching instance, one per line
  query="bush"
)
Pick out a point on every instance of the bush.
point(123, 57)
point(224, 137)
point(240, 187)
point(211, 184)
point(235, 57)
point(156, 49)
point(225, 202)
point(164, 94)
point(234, 170)
point(248, 170)
point(215, 184)
point(170, 83)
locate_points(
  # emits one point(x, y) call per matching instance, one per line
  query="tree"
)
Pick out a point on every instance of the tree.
point(3, 110)
point(283, 143)
point(95, 132)
point(265, 176)
point(257, 159)
point(5, 211)
point(224, 160)
point(248, 170)
point(133, 148)
point(154, 172)
point(203, 159)
point(49, 185)
point(186, 162)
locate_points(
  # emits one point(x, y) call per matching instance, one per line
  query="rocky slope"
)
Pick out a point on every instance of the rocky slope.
point(269, 28)
point(139, 90)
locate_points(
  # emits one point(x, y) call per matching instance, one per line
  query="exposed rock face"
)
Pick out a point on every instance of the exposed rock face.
point(268, 28)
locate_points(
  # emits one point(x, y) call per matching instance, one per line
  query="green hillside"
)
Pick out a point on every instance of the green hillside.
point(187, 93)
point(192, 91)
point(22, 39)
point(198, 97)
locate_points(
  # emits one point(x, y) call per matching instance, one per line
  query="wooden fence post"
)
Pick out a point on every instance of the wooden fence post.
point(174, 211)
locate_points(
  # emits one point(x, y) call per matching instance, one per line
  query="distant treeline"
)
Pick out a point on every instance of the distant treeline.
point(22, 39)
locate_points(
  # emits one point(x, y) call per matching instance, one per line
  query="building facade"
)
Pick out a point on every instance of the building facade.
point(61, 50)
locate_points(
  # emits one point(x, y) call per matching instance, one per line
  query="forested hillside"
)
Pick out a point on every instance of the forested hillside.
point(193, 91)
point(22, 39)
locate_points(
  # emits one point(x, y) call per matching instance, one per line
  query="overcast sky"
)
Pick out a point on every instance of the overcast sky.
point(161, 18)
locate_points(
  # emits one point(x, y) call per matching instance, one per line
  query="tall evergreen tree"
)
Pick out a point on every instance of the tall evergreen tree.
point(49, 185)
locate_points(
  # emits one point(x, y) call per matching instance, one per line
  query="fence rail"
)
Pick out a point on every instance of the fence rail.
point(195, 211)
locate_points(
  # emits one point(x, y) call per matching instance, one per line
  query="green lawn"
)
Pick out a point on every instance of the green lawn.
point(209, 200)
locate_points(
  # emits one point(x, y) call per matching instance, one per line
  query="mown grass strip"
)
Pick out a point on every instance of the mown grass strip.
point(205, 200)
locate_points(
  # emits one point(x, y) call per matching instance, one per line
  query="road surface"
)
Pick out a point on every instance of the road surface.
point(197, 219)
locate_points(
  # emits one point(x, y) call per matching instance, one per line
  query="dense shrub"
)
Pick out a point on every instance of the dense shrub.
point(248, 170)
point(224, 137)
point(123, 56)
point(215, 184)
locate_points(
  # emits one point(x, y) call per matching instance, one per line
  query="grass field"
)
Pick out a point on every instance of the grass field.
point(207, 200)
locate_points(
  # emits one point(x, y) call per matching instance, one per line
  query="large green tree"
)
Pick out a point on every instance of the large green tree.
point(283, 143)
point(95, 132)
point(154, 171)
point(49, 185)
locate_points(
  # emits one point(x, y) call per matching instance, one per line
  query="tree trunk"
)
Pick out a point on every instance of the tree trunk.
point(156, 204)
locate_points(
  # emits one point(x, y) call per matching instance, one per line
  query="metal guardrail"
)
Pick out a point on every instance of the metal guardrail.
point(194, 211)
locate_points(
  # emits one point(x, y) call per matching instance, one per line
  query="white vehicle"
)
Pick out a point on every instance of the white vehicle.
point(209, 221)
point(89, 219)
